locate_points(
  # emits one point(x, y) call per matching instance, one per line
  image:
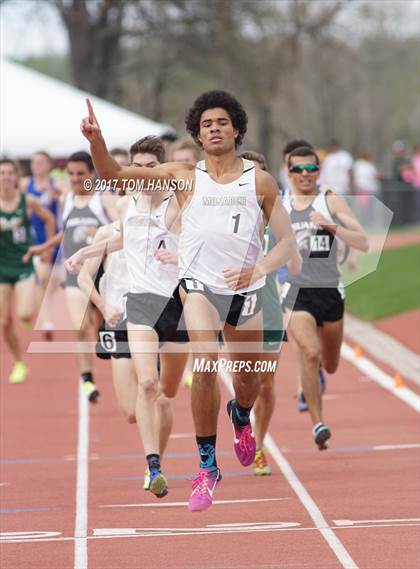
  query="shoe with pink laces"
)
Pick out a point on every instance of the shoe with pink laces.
point(203, 486)
point(244, 441)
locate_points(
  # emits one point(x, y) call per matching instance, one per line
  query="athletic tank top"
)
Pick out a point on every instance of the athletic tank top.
point(15, 236)
point(145, 233)
point(114, 284)
point(221, 229)
point(78, 220)
point(317, 246)
point(38, 231)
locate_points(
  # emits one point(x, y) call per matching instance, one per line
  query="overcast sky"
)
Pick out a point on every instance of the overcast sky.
point(28, 28)
point(45, 33)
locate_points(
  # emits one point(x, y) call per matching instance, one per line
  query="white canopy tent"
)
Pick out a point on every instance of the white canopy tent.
point(41, 113)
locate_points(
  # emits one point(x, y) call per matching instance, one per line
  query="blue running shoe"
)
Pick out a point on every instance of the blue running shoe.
point(157, 483)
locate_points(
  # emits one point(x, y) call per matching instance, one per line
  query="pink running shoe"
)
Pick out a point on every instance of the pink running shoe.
point(203, 487)
point(244, 441)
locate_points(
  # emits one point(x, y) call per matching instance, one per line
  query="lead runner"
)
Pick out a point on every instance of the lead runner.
point(222, 265)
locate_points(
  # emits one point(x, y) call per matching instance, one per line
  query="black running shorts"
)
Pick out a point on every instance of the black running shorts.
point(325, 304)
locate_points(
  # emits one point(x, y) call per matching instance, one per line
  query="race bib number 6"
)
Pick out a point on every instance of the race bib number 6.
point(108, 341)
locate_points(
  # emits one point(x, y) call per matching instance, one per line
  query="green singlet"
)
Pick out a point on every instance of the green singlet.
point(15, 239)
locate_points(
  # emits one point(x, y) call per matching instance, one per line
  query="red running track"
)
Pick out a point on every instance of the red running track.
point(369, 496)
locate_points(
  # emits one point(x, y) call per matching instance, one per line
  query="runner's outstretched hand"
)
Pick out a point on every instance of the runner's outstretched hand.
point(90, 127)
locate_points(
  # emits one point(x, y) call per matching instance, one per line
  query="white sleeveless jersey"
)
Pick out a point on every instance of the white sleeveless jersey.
point(221, 229)
point(144, 234)
point(114, 283)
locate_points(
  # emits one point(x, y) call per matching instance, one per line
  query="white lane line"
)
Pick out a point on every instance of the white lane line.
point(381, 378)
point(396, 447)
point(344, 523)
point(315, 513)
point(183, 504)
point(384, 347)
point(81, 521)
point(125, 533)
point(181, 435)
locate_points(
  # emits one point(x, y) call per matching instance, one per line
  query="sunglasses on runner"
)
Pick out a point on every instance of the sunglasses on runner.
point(300, 168)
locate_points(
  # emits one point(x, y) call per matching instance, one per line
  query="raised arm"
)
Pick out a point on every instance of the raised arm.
point(108, 169)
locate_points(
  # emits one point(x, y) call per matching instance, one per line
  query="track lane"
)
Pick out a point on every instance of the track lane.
point(351, 481)
point(39, 437)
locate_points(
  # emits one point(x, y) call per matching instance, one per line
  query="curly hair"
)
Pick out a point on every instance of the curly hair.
point(213, 100)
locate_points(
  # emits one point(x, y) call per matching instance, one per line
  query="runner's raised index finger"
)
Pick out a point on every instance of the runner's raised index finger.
point(90, 111)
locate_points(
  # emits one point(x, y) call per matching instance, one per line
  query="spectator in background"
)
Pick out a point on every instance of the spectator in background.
point(366, 184)
point(336, 171)
point(121, 156)
point(366, 175)
point(413, 174)
point(186, 151)
point(400, 163)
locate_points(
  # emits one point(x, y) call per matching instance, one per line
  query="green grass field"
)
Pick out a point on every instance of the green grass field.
point(392, 289)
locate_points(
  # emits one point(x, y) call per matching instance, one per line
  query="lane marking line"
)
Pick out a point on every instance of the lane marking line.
point(81, 520)
point(396, 447)
point(384, 347)
point(315, 513)
point(183, 504)
point(23, 535)
point(123, 533)
point(330, 397)
point(216, 528)
point(344, 523)
point(381, 378)
point(181, 435)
